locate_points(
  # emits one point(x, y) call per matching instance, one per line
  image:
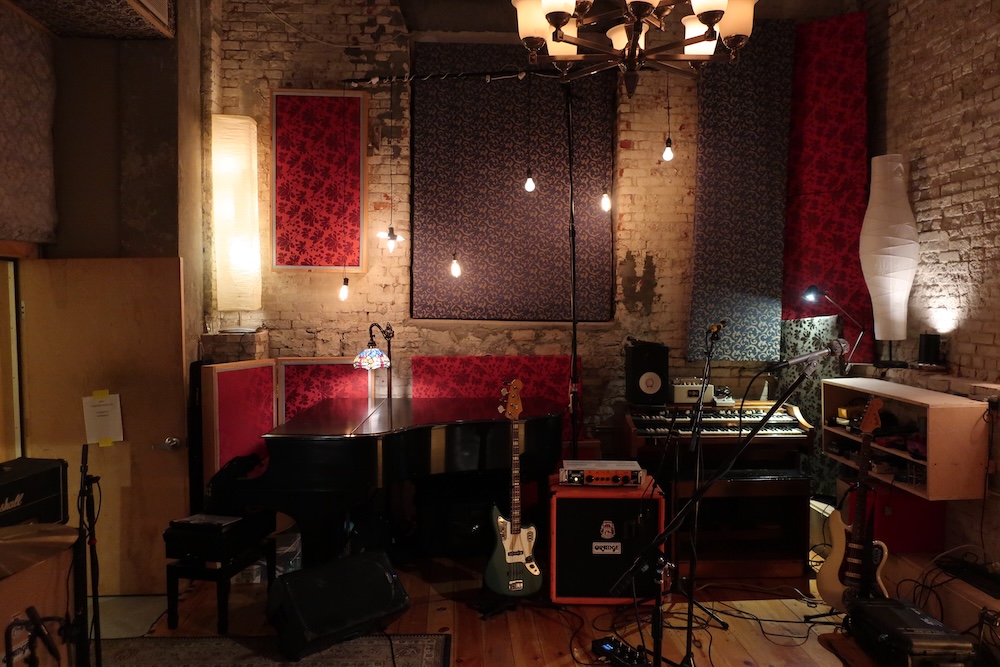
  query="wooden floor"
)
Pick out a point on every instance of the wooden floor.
point(766, 626)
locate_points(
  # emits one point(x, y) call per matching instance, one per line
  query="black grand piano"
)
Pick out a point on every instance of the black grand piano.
point(326, 465)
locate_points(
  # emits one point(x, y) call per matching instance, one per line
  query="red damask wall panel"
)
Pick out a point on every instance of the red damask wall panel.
point(543, 376)
point(304, 382)
point(319, 179)
point(828, 175)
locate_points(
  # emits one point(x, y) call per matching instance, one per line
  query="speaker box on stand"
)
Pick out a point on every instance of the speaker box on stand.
point(333, 602)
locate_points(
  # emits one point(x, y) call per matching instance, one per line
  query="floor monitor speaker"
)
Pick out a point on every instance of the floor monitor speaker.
point(646, 373)
point(333, 602)
point(597, 533)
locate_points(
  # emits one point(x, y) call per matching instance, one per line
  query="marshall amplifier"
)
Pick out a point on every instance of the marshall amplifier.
point(597, 533)
point(33, 491)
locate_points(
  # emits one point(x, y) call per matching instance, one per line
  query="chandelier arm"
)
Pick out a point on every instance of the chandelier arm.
point(672, 69)
point(672, 46)
point(688, 57)
point(587, 71)
point(560, 36)
point(603, 16)
point(576, 58)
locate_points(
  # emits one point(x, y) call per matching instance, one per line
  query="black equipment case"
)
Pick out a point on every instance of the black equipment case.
point(897, 633)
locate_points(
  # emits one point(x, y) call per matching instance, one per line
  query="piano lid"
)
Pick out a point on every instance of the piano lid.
point(338, 418)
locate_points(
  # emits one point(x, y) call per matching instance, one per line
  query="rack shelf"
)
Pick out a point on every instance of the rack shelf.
point(955, 431)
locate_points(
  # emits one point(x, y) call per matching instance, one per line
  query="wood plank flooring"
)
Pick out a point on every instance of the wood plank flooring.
point(766, 626)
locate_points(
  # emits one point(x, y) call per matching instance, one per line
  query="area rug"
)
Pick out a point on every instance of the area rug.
point(369, 651)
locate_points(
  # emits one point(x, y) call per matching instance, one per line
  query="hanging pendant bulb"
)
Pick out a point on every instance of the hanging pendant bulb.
point(392, 238)
point(456, 268)
point(605, 202)
point(343, 291)
point(529, 183)
point(668, 150)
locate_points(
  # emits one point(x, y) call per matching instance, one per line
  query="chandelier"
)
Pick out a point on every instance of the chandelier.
point(555, 24)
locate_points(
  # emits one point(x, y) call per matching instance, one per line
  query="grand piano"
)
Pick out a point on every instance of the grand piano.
point(326, 465)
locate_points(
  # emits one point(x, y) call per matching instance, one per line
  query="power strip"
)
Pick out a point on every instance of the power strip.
point(616, 652)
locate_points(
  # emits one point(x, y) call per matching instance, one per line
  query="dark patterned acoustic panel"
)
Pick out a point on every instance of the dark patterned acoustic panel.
point(473, 142)
point(743, 112)
point(109, 19)
point(828, 175)
point(800, 337)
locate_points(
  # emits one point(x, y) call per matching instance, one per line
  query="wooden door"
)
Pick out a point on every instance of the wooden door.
point(117, 325)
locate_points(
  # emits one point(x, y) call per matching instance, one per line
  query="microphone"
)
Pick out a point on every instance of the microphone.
point(835, 348)
point(718, 326)
point(42, 633)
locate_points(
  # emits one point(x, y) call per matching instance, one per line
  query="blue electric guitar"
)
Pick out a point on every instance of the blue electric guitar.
point(512, 569)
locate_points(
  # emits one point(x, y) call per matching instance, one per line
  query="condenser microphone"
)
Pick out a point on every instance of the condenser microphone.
point(835, 348)
point(718, 326)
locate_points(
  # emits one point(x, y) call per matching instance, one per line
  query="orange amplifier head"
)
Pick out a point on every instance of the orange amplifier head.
point(602, 473)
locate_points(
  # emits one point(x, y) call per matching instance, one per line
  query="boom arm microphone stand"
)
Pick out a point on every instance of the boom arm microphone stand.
point(85, 505)
point(652, 558)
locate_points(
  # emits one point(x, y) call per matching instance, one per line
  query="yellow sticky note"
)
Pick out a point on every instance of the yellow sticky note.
point(100, 393)
point(105, 442)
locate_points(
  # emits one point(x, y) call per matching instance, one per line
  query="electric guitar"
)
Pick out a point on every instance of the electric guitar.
point(512, 569)
point(853, 569)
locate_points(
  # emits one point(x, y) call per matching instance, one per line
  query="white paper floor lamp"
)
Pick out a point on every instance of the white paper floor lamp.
point(234, 212)
point(889, 247)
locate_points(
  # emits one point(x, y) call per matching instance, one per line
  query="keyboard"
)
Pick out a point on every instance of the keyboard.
point(971, 573)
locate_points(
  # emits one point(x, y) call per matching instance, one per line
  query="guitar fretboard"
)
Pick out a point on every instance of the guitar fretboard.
point(515, 478)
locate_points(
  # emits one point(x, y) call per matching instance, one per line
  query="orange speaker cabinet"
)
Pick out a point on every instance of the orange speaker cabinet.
point(596, 535)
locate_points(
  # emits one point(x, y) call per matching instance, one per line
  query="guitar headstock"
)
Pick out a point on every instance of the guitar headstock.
point(511, 408)
point(871, 420)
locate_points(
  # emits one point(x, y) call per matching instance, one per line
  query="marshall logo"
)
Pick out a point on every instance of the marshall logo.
point(606, 548)
point(9, 504)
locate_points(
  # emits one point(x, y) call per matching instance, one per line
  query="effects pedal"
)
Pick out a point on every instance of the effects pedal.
point(616, 652)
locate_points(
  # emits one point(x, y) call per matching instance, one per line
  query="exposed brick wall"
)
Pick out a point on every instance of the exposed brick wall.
point(653, 210)
point(942, 111)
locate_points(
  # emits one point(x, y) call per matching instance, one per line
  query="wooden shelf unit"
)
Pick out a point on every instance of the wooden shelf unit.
point(956, 433)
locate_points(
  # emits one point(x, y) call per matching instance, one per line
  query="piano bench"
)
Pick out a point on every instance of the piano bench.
point(220, 569)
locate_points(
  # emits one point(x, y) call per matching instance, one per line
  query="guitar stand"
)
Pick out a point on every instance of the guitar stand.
point(491, 604)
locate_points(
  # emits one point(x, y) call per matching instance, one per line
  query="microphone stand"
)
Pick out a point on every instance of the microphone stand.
point(695, 448)
point(88, 527)
point(652, 558)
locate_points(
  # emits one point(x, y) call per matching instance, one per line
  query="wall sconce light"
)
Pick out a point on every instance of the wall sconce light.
point(371, 358)
point(235, 220)
point(813, 294)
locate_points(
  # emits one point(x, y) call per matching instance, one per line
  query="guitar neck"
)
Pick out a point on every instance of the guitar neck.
point(515, 478)
point(859, 525)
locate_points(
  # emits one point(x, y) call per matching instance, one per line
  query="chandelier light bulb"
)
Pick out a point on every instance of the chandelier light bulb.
point(605, 202)
point(529, 183)
point(668, 150)
point(456, 268)
point(343, 291)
point(391, 244)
